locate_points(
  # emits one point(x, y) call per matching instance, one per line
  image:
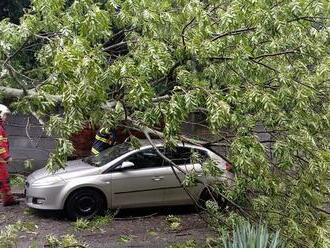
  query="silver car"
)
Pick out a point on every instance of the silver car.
point(120, 177)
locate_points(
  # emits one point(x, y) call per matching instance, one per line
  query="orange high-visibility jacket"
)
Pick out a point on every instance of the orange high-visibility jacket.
point(4, 144)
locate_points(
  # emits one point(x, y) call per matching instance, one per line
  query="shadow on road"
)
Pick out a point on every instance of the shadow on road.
point(123, 213)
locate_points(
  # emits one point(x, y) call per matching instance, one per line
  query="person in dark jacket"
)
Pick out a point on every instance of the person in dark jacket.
point(104, 138)
point(7, 197)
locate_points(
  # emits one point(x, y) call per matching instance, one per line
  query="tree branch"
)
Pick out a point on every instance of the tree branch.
point(322, 210)
point(13, 92)
point(16, 93)
point(310, 18)
point(146, 133)
point(115, 46)
point(234, 32)
point(168, 74)
point(221, 58)
point(42, 123)
point(15, 53)
point(184, 29)
point(273, 54)
point(264, 65)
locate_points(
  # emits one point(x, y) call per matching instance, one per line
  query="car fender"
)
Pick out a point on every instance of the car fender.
point(70, 187)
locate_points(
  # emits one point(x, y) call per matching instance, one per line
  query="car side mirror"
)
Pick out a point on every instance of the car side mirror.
point(126, 164)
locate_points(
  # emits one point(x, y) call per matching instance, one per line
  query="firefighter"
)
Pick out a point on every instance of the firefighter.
point(104, 138)
point(7, 197)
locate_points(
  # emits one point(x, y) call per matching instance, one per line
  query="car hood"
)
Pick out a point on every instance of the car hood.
point(72, 169)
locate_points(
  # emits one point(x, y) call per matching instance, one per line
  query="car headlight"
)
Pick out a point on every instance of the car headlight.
point(47, 181)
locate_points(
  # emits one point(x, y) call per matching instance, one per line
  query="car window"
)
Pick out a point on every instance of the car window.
point(108, 155)
point(182, 155)
point(179, 155)
point(148, 158)
point(201, 153)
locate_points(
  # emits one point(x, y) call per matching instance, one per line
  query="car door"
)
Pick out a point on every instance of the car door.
point(175, 194)
point(140, 185)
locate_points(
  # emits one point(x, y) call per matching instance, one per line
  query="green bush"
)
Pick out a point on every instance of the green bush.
point(247, 236)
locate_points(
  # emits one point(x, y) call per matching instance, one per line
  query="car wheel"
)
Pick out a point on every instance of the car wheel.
point(85, 203)
point(206, 196)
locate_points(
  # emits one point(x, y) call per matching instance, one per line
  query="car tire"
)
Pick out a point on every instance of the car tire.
point(85, 203)
point(206, 196)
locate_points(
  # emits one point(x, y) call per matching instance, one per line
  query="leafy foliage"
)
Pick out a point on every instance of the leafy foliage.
point(63, 241)
point(248, 236)
point(173, 222)
point(81, 224)
point(17, 180)
point(123, 239)
point(186, 244)
point(97, 223)
point(257, 69)
point(9, 234)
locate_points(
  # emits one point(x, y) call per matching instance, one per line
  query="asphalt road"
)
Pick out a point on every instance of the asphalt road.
point(130, 228)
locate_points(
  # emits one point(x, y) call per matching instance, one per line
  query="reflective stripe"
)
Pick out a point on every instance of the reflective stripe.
point(2, 150)
point(3, 139)
point(101, 139)
point(94, 151)
point(105, 131)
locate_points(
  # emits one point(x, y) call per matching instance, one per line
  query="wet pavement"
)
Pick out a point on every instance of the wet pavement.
point(130, 228)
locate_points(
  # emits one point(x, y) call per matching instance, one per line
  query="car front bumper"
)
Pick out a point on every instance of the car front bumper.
point(44, 197)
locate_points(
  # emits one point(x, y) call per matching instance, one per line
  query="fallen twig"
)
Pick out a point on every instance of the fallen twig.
point(136, 218)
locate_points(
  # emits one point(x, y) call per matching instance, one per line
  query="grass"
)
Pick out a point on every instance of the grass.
point(96, 223)
point(173, 222)
point(63, 241)
point(125, 238)
point(187, 244)
point(9, 233)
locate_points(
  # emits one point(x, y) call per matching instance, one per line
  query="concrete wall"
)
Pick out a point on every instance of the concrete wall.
point(27, 141)
point(195, 127)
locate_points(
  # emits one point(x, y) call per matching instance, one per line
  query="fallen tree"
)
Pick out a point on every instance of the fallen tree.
point(241, 63)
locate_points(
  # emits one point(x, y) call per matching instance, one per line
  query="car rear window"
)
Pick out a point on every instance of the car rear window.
point(182, 155)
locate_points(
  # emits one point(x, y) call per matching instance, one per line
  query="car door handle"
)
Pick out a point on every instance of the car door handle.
point(157, 178)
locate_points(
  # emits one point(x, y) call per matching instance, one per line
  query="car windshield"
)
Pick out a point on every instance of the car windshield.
point(108, 155)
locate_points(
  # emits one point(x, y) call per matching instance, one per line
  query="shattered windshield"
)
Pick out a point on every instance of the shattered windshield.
point(108, 155)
